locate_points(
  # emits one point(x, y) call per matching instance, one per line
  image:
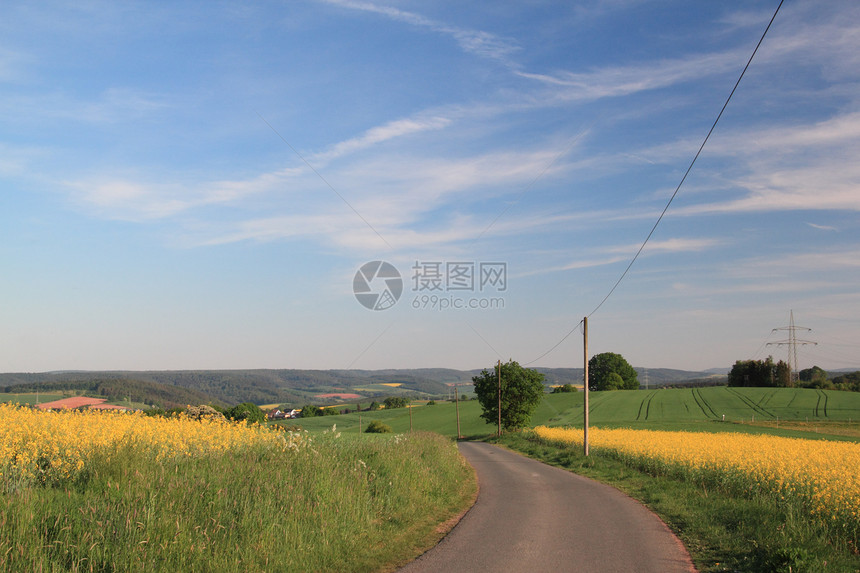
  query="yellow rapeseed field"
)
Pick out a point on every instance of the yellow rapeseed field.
point(823, 475)
point(56, 445)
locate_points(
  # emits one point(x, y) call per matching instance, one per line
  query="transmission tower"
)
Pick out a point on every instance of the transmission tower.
point(792, 343)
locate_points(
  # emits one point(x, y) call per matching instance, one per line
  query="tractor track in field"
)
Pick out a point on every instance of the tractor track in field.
point(645, 403)
point(754, 405)
point(821, 403)
point(702, 403)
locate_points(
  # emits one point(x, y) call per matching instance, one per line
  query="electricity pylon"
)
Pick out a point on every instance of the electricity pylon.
point(792, 343)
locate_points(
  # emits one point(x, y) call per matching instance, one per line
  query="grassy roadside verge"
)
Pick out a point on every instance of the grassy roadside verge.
point(723, 532)
point(331, 503)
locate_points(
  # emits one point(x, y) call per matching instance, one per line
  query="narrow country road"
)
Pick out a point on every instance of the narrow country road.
point(533, 517)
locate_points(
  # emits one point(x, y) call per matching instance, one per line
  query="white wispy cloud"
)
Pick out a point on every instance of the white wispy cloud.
point(402, 206)
point(138, 199)
point(805, 167)
point(602, 256)
point(674, 245)
point(380, 134)
point(472, 41)
point(615, 81)
point(579, 264)
point(830, 260)
point(808, 165)
point(822, 227)
point(112, 106)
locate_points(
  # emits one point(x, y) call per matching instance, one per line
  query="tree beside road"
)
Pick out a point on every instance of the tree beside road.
point(521, 392)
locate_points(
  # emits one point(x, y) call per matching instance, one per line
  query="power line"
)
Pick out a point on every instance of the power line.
point(678, 188)
point(557, 344)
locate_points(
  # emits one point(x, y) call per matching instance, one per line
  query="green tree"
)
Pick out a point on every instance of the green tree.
point(615, 382)
point(782, 375)
point(814, 377)
point(374, 406)
point(760, 373)
point(602, 366)
point(377, 427)
point(246, 412)
point(564, 388)
point(310, 411)
point(396, 402)
point(848, 382)
point(522, 391)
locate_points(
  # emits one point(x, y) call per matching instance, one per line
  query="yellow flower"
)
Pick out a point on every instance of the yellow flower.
point(821, 474)
point(57, 445)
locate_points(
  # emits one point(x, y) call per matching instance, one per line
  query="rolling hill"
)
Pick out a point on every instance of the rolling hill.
point(291, 386)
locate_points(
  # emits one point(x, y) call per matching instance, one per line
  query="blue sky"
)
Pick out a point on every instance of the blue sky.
point(196, 184)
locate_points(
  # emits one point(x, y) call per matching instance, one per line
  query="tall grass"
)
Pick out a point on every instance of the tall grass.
point(330, 503)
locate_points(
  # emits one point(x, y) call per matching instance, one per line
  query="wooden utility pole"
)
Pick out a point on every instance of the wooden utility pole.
point(359, 422)
point(457, 407)
point(500, 398)
point(585, 385)
point(409, 405)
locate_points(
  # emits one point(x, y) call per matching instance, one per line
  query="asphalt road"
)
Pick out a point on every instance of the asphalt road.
point(533, 517)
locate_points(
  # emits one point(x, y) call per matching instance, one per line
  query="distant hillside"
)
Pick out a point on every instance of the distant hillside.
point(654, 377)
point(292, 387)
point(118, 389)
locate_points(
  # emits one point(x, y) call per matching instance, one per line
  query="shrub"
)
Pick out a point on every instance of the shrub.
point(377, 427)
point(396, 402)
point(203, 412)
point(247, 412)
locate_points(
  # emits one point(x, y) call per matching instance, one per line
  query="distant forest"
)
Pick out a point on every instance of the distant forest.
point(167, 389)
point(121, 389)
point(172, 388)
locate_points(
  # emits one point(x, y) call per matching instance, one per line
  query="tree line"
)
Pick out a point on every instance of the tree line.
point(766, 373)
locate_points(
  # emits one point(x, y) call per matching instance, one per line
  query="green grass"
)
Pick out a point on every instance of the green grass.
point(29, 398)
point(724, 531)
point(342, 503)
point(440, 418)
point(669, 409)
point(705, 404)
